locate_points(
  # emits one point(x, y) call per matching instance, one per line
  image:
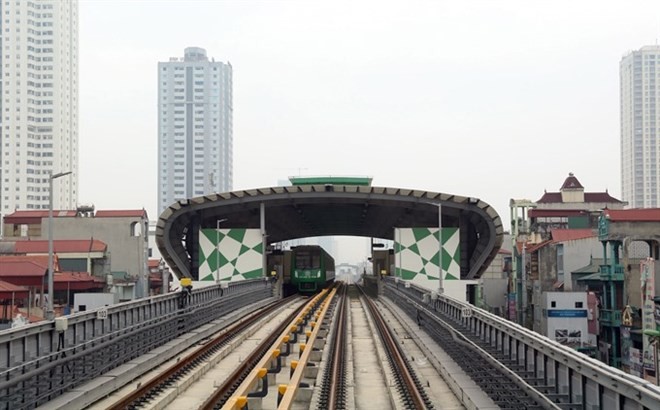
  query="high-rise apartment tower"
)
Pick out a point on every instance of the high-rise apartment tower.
point(640, 132)
point(38, 103)
point(194, 127)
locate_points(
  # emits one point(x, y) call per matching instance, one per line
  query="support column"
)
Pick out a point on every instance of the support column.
point(262, 213)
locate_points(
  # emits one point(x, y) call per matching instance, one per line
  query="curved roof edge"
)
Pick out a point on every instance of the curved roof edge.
point(173, 222)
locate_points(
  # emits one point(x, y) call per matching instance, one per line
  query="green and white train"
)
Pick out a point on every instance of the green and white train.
point(311, 269)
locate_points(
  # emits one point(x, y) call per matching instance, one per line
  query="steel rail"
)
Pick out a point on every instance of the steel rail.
point(409, 382)
point(182, 366)
point(294, 382)
point(336, 395)
point(502, 384)
point(238, 383)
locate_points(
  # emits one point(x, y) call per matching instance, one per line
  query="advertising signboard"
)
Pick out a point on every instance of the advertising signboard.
point(647, 279)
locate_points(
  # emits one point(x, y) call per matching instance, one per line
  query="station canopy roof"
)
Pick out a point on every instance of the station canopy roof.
point(308, 210)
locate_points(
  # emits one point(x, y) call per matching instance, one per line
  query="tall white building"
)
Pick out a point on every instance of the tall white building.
point(640, 135)
point(38, 103)
point(194, 127)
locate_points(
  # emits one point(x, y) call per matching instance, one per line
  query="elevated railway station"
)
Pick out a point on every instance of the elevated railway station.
point(320, 207)
point(404, 346)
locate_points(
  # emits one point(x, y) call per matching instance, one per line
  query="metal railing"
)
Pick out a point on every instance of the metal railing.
point(587, 382)
point(38, 363)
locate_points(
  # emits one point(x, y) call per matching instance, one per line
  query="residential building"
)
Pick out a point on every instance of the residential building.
point(565, 319)
point(85, 255)
point(628, 286)
point(570, 208)
point(39, 104)
point(639, 134)
point(568, 215)
point(548, 267)
point(494, 282)
point(125, 232)
point(195, 141)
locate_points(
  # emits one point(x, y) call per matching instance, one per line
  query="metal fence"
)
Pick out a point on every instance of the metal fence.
point(586, 383)
point(38, 362)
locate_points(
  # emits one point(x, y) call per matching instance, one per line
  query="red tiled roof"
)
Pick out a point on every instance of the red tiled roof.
point(76, 281)
point(571, 183)
point(550, 198)
point(34, 217)
point(553, 213)
point(137, 213)
point(504, 252)
point(153, 263)
point(61, 246)
point(600, 197)
point(25, 270)
point(563, 235)
point(560, 235)
point(633, 215)
point(11, 265)
point(9, 290)
point(533, 248)
point(589, 197)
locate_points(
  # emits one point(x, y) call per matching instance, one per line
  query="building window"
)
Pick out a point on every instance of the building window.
point(560, 262)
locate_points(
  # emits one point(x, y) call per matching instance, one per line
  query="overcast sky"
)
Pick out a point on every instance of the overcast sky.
point(490, 99)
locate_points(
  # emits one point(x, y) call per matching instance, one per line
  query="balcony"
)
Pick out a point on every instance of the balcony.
point(611, 273)
point(610, 317)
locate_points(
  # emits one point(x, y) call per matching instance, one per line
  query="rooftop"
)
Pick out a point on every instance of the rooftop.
point(35, 217)
point(633, 215)
point(59, 246)
point(11, 265)
point(593, 197)
point(330, 180)
point(563, 235)
point(571, 183)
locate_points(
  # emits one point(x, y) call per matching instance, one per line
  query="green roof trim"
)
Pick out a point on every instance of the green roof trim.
point(364, 181)
point(119, 274)
point(593, 276)
point(592, 267)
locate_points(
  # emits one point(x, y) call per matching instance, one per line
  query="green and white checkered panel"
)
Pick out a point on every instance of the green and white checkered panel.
point(240, 255)
point(416, 255)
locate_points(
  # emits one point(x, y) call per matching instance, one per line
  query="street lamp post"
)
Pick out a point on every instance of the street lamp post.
point(164, 274)
point(441, 289)
point(50, 313)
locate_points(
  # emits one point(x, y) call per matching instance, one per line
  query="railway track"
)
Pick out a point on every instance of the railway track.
point(333, 384)
point(409, 385)
point(145, 392)
point(303, 358)
point(506, 387)
point(239, 385)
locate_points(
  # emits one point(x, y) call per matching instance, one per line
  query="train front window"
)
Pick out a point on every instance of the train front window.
point(306, 261)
